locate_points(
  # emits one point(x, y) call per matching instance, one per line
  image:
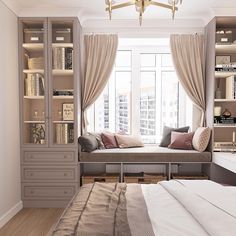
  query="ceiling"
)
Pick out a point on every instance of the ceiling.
point(94, 9)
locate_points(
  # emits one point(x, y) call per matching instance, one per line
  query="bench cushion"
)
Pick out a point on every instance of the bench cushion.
point(145, 154)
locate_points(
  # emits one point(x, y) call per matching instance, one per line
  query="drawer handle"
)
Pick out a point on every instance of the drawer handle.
point(65, 174)
point(65, 157)
point(65, 192)
point(31, 174)
point(31, 156)
point(32, 192)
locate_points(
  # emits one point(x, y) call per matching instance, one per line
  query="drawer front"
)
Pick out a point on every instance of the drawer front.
point(49, 157)
point(34, 174)
point(48, 192)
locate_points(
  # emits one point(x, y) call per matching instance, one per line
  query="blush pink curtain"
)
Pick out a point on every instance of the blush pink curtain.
point(100, 54)
point(188, 53)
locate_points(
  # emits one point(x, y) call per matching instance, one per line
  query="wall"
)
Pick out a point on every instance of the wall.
point(10, 194)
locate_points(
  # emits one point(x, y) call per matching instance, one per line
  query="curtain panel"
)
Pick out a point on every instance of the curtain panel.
point(188, 53)
point(100, 54)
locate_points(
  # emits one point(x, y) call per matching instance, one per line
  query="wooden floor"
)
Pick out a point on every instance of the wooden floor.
point(31, 222)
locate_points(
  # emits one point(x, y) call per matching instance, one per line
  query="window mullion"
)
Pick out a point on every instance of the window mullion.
point(135, 115)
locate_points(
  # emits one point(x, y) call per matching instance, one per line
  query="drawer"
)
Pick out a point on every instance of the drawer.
point(49, 157)
point(106, 178)
point(48, 192)
point(190, 176)
point(144, 178)
point(51, 174)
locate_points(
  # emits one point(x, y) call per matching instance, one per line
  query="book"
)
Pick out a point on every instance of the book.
point(69, 58)
point(62, 58)
point(34, 85)
point(64, 133)
point(230, 87)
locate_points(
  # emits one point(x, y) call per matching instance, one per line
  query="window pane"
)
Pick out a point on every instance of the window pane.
point(166, 60)
point(148, 107)
point(102, 111)
point(123, 59)
point(170, 100)
point(148, 60)
point(123, 95)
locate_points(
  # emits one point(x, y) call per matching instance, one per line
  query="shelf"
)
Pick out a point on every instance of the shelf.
point(62, 45)
point(225, 100)
point(226, 48)
point(34, 122)
point(63, 97)
point(225, 125)
point(54, 97)
point(63, 122)
point(34, 97)
point(62, 72)
point(33, 71)
point(224, 74)
point(34, 47)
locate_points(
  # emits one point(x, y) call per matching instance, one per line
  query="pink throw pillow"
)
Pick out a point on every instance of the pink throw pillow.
point(181, 140)
point(109, 140)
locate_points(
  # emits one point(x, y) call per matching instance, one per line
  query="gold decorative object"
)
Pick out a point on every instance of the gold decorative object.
point(141, 5)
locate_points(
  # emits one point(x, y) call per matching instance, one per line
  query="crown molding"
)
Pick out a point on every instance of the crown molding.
point(12, 5)
point(149, 28)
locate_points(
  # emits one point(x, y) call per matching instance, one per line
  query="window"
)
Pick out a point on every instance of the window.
point(143, 95)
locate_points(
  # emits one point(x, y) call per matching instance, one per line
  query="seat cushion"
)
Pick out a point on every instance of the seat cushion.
point(150, 153)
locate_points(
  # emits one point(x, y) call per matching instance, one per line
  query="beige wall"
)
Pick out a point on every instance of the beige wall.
point(10, 196)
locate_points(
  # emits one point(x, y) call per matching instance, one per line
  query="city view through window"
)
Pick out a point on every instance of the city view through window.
point(143, 95)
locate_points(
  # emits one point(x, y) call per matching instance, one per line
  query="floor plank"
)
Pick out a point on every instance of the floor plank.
point(31, 222)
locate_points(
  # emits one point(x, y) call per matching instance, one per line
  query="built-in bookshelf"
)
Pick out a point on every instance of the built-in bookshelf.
point(49, 77)
point(224, 125)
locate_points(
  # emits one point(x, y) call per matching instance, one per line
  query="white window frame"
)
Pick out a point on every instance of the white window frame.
point(134, 121)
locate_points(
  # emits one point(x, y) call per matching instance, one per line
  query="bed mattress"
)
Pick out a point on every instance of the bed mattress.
point(176, 207)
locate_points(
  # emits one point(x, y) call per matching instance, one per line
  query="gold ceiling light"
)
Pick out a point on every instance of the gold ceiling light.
point(141, 5)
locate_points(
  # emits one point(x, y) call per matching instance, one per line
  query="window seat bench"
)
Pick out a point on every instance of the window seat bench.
point(149, 153)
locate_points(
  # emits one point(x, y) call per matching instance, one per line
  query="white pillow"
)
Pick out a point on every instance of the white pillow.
point(201, 138)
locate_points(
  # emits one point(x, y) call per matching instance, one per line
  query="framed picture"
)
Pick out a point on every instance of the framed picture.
point(221, 60)
point(68, 111)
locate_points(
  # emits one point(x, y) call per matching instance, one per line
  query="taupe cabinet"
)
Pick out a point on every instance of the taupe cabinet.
point(49, 78)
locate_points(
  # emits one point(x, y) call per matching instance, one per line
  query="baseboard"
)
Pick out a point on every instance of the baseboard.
point(12, 212)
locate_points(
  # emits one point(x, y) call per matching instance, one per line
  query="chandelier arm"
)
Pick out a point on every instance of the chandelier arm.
point(163, 5)
point(126, 4)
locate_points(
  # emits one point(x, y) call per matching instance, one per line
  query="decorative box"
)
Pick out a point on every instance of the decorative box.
point(224, 36)
point(62, 35)
point(33, 35)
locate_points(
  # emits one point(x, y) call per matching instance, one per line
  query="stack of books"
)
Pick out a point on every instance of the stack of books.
point(62, 58)
point(64, 133)
point(34, 85)
point(225, 67)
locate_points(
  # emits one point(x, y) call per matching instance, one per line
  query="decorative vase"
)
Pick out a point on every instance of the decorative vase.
point(226, 113)
point(218, 93)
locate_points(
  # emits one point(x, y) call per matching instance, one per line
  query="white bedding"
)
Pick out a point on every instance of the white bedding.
point(191, 208)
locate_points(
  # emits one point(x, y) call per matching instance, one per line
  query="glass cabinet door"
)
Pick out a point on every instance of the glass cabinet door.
point(62, 82)
point(33, 58)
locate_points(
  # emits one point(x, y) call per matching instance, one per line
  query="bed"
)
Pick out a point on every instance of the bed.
point(169, 208)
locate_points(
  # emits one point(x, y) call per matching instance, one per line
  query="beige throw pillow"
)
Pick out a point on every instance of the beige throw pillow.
point(201, 138)
point(127, 141)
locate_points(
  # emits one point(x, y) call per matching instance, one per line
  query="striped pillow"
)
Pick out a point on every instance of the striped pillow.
point(201, 138)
